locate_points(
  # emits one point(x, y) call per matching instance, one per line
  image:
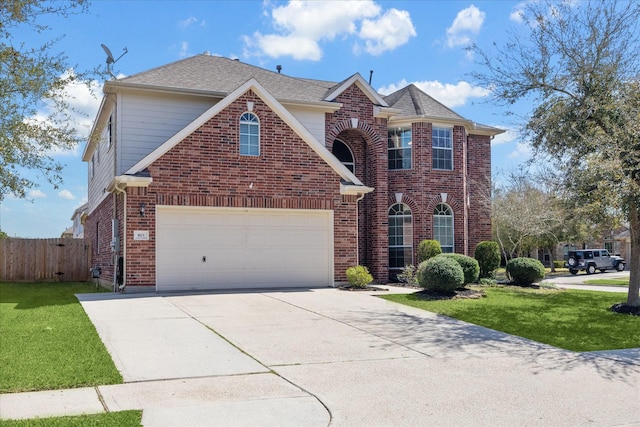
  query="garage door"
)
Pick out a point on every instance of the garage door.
point(199, 248)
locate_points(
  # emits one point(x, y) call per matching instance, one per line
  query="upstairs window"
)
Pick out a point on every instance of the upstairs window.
point(399, 148)
point(249, 135)
point(110, 132)
point(442, 148)
point(344, 154)
point(443, 227)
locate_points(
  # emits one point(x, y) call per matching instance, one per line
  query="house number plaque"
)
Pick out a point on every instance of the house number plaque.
point(141, 235)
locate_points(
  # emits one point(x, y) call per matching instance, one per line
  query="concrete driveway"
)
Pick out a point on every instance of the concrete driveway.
point(330, 357)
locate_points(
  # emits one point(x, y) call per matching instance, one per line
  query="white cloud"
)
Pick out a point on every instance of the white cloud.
point(451, 95)
point(66, 194)
point(517, 14)
point(37, 194)
point(188, 22)
point(467, 24)
point(301, 26)
point(508, 136)
point(522, 151)
point(184, 50)
point(83, 104)
point(391, 30)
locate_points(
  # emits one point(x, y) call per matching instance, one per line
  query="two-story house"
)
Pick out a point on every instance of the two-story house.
point(210, 173)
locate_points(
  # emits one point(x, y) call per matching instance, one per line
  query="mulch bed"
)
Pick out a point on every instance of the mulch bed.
point(461, 293)
point(356, 288)
point(623, 308)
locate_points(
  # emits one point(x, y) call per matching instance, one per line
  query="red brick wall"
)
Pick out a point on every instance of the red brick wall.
point(479, 190)
point(206, 169)
point(98, 230)
point(368, 141)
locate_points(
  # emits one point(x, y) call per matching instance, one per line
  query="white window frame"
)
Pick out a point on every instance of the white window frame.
point(350, 165)
point(444, 233)
point(250, 147)
point(407, 232)
point(438, 144)
point(400, 140)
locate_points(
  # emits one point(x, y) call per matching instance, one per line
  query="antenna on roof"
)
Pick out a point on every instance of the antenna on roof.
point(370, 76)
point(110, 59)
point(279, 68)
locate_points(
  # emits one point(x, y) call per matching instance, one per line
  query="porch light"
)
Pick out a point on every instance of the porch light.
point(142, 209)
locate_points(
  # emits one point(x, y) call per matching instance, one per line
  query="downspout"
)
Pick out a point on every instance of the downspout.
point(360, 197)
point(123, 241)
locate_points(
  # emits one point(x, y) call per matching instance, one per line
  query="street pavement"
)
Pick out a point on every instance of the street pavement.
point(330, 357)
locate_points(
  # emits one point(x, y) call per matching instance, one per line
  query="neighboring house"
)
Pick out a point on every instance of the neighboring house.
point(78, 218)
point(210, 173)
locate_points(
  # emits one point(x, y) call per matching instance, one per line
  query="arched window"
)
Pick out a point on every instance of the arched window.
point(400, 236)
point(249, 135)
point(443, 227)
point(344, 154)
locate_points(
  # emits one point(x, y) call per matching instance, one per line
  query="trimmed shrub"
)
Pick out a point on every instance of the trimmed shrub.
point(525, 271)
point(428, 249)
point(487, 254)
point(558, 264)
point(440, 274)
point(469, 265)
point(359, 276)
point(408, 275)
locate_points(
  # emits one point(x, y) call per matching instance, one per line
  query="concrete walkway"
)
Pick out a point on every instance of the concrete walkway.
point(329, 357)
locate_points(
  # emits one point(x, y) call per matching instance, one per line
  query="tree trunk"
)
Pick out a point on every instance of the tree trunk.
point(633, 298)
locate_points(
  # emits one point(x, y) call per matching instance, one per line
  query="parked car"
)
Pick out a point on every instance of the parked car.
point(591, 260)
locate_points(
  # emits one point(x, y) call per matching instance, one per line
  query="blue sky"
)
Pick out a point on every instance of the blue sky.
point(421, 42)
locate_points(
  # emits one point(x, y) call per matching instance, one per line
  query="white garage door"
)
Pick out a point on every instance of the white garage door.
point(199, 248)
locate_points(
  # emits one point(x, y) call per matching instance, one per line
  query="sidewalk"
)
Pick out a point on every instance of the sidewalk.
point(324, 356)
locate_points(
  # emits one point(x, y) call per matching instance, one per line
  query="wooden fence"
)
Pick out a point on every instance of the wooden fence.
point(44, 260)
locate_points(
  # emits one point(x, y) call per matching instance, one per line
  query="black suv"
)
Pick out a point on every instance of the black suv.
point(592, 260)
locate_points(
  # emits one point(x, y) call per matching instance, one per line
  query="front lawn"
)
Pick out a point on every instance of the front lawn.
point(608, 282)
point(119, 419)
point(47, 340)
point(573, 320)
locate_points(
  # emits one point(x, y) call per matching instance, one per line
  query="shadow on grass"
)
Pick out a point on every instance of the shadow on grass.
point(26, 296)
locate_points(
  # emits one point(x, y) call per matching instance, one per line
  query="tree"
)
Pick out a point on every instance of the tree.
point(578, 64)
point(525, 216)
point(34, 112)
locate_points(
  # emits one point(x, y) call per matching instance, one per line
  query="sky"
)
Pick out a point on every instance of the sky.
point(403, 42)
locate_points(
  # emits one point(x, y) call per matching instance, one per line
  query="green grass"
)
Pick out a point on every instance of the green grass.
point(116, 419)
point(608, 282)
point(47, 340)
point(573, 320)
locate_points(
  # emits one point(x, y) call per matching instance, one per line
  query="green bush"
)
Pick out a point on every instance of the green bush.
point(525, 271)
point(428, 249)
point(558, 264)
point(359, 276)
point(469, 265)
point(440, 274)
point(487, 254)
point(408, 275)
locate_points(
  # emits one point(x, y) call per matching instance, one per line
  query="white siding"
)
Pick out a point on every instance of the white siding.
point(310, 119)
point(102, 165)
point(147, 121)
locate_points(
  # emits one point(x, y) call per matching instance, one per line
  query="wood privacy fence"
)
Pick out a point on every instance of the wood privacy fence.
point(44, 260)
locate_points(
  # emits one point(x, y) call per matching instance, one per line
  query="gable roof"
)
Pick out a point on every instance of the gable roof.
point(221, 76)
point(349, 183)
point(362, 84)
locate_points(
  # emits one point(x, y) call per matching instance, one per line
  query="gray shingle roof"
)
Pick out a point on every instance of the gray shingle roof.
point(220, 75)
point(414, 102)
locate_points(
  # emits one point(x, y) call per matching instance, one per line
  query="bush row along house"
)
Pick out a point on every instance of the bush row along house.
point(210, 173)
